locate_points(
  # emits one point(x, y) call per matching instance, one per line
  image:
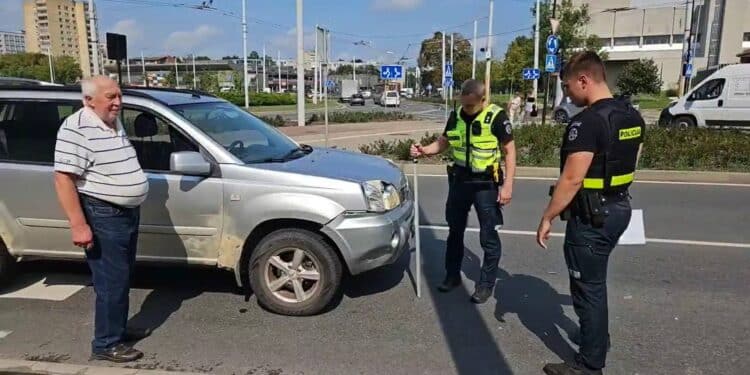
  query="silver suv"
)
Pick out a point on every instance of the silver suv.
point(226, 190)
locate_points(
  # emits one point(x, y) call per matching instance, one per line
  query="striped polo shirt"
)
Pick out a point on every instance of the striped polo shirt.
point(102, 158)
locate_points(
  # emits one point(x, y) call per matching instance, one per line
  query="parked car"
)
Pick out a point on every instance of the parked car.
point(721, 100)
point(565, 111)
point(367, 94)
point(226, 190)
point(15, 81)
point(390, 99)
point(357, 99)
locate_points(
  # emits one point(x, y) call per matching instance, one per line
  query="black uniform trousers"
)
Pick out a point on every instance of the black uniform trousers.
point(463, 192)
point(587, 251)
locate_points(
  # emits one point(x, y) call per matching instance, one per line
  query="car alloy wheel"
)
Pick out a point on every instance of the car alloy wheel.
point(292, 275)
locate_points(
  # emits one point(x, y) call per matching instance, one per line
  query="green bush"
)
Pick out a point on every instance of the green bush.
point(259, 98)
point(374, 116)
point(675, 149)
point(671, 92)
point(277, 120)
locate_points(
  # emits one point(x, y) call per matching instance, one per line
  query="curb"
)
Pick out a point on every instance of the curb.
point(641, 174)
point(10, 366)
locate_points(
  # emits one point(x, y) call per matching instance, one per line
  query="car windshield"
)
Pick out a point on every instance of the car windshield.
point(391, 95)
point(242, 134)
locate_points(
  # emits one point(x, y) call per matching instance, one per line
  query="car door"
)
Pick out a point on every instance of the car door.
point(31, 220)
point(707, 102)
point(181, 218)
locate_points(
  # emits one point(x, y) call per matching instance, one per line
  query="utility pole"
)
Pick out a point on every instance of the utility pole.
point(451, 87)
point(324, 81)
point(300, 67)
point(488, 57)
point(127, 66)
point(354, 69)
point(244, 53)
point(194, 86)
point(51, 70)
point(143, 65)
point(546, 91)
point(94, 39)
point(265, 62)
point(442, 84)
point(474, 55)
point(315, 69)
point(689, 46)
point(535, 90)
point(176, 74)
point(278, 64)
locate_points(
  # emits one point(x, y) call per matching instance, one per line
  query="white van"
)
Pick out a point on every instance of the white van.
point(391, 99)
point(721, 100)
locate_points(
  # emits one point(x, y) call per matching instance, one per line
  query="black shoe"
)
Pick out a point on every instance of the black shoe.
point(136, 334)
point(481, 295)
point(119, 353)
point(449, 283)
point(569, 369)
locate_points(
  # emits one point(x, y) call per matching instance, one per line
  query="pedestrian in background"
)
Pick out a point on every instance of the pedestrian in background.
point(478, 136)
point(100, 186)
point(529, 109)
point(514, 109)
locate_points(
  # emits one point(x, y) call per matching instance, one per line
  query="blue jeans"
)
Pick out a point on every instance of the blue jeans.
point(587, 249)
point(462, 194)
point(111, 261)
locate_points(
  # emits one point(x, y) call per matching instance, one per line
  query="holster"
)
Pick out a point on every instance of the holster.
point(588, 205)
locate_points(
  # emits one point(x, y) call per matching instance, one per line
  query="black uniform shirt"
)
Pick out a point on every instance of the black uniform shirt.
point(501, 126)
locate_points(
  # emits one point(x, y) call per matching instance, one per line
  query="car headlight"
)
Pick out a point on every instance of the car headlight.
point(380, 196)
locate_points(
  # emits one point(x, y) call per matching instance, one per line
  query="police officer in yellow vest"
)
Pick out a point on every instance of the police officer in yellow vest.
point(479, 136)
point(598, 157)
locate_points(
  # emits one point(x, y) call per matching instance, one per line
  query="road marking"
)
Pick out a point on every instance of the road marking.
point(4, 334)
point(654, 240)
point(58, 287)
point(722, 184)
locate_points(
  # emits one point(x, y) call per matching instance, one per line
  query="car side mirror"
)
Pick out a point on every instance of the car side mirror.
point(690, 98)
point(189, 163)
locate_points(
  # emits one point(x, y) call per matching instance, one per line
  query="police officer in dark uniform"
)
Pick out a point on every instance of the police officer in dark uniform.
point(598, 158)
point(479, 136)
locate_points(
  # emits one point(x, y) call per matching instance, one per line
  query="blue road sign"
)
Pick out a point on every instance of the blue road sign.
point(448, 82)
point(689, 70)
point(530, 74)
point(551, 63)
point(448, 70)
point(330, 84)
point(553, 44)
point(391, 72)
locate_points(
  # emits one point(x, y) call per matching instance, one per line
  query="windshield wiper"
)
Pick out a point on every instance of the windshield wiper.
point(288, 156)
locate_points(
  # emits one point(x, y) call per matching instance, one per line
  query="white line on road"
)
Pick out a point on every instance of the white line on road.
point(722, 184)
point(654, 240)
point(4, 334)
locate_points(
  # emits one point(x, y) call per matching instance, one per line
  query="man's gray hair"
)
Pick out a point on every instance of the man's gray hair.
point(88, 87)
point(472, 86)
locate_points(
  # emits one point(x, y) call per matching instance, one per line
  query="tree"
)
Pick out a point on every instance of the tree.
point(253, 55)
point(572, 31)
point(520, 54)
point(202, 58)
point(430, 58)
point(235, 57)
point(36, 66)
point(640, 76)
point(208, 82)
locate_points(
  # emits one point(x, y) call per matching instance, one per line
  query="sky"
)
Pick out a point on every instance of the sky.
point(170, 27)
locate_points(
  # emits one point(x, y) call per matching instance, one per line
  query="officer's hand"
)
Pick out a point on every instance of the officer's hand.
point(542, 233)
point(505, 195)
point(416, 151)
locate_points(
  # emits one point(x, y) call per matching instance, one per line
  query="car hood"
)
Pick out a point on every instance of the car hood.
point(341, 165)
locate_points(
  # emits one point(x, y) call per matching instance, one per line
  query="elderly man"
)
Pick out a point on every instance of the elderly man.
point(100, 186)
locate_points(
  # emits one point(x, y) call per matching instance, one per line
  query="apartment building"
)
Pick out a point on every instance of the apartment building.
point(656, 29)
point(11, 42)
point(62, 28)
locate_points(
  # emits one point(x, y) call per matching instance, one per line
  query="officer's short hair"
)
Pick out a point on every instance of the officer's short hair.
point(587, 62)
point(472, 86)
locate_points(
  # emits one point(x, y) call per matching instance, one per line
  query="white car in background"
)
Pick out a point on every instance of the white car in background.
point(390, 99)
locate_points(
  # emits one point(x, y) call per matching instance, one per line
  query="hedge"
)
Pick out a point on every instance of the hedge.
point(259, 98)
point(675, 149)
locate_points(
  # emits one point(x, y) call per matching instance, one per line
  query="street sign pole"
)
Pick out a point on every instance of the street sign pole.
point(417, 243)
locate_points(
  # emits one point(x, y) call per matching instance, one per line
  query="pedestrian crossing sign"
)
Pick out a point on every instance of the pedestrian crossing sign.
point(550, 63)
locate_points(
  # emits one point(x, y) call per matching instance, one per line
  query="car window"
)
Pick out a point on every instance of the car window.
point(709, 90)
point(28, 129)
point(153, 138)
point(392, 95)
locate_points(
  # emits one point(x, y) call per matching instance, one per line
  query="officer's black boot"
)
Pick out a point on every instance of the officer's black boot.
point(481, 294)
point(449, 283)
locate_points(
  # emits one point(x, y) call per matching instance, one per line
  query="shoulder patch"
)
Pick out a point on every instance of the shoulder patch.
point(508, 127)
point(573, 134)
point(575, 124)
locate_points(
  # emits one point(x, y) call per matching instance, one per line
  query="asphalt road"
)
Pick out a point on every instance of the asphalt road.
point(677, 306)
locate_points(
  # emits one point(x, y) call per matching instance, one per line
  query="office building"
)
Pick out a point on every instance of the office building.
point(62, 28)
point(656, 29)
point(11, 42)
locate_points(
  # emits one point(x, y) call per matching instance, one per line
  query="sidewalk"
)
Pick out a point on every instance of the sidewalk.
point(9, 366)
point(351, 136)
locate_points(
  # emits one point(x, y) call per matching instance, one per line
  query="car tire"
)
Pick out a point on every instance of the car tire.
point(7, 265)
point(684, 122)
point(300, 294)
point(561, 117)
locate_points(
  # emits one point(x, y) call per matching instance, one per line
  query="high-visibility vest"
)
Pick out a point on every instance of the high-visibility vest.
point(475, 146)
